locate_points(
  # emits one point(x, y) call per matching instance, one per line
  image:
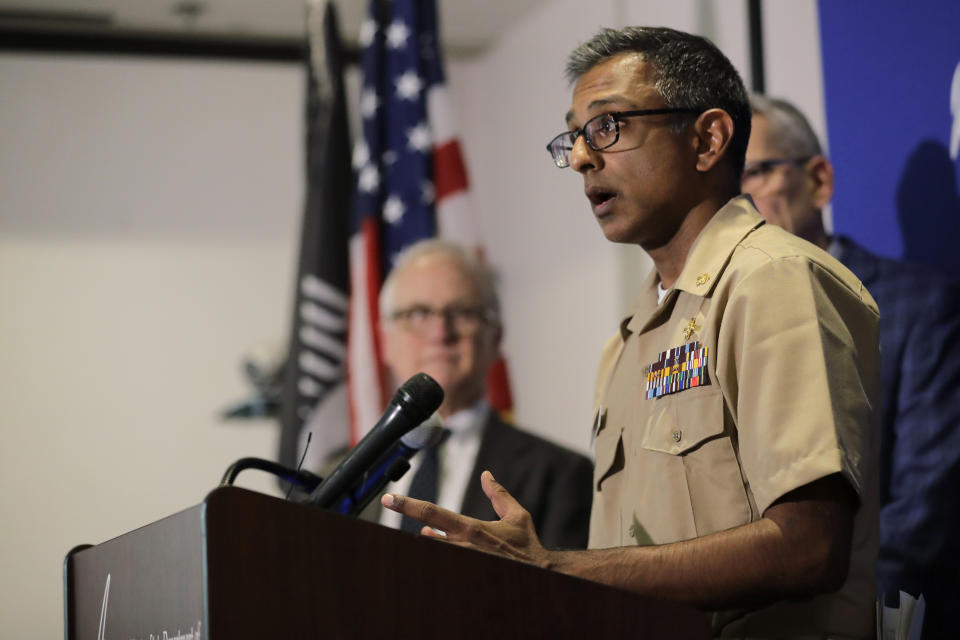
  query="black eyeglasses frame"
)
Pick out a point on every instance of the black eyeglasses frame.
point(617, 117)
point(758, 168)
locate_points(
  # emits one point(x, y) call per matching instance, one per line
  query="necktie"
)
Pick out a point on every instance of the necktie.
point(424, 485)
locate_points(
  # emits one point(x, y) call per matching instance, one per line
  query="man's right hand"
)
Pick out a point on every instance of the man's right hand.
point(513, 536)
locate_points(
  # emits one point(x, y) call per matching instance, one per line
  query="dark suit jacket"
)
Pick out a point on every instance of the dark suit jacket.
point(551, 482)
point(920, 444)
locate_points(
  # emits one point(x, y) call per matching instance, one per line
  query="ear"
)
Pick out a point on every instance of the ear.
point(386, 344)
point(714, 130)
point(388, 358)
point(498, 336)
point(820, 178)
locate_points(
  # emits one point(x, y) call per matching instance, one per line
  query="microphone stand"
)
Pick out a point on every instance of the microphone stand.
point(299, 477)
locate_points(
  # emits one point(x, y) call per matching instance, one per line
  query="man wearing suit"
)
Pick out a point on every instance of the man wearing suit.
point(440, 315)
point(791, 181)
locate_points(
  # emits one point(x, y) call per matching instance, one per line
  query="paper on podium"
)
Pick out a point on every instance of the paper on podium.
point(901, 623)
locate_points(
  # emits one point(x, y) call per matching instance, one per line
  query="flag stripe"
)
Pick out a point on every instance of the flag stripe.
point(316, 289)
point(363, 362)
point(449, 171)
point(321, 317)
point(319, 341)
point(442, 121)
point(455, 220)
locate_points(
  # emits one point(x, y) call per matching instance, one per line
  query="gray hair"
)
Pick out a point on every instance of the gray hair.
point(482, 277)
point(790, 131)
point(691, 72)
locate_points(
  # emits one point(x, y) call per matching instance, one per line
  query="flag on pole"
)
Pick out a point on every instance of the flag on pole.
point(314, 389)
point(411, 183)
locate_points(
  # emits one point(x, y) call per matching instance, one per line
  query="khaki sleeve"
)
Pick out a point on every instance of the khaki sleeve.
point(800, 349)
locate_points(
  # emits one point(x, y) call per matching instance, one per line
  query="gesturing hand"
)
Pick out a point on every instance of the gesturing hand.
point(513, 536)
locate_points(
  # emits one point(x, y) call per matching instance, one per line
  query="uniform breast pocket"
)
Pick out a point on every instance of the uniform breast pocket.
point(609, 455)
point(606, 521)
point(689, 435)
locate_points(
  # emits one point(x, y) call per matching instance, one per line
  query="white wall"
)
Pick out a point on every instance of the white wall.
point(794, 70)
point(148, 218)
point(794, 66)
point(560, 283)
point(149, 213)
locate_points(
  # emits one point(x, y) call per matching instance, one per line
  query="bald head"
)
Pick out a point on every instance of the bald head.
point(788, 177)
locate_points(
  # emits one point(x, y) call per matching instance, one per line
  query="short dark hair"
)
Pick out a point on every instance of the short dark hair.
point(691, 72)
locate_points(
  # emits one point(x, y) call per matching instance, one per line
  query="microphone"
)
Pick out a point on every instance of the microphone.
point(414, 402)
point(391, 466)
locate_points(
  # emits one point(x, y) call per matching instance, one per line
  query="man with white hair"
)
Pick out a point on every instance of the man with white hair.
point(791, 181)
point(440, 315)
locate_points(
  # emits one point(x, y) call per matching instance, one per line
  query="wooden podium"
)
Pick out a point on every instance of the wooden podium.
point(244, 565)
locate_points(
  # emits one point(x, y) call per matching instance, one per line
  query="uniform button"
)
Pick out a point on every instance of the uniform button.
point(676, 436)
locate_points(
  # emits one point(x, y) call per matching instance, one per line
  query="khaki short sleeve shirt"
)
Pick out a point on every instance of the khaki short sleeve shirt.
point(756, 375)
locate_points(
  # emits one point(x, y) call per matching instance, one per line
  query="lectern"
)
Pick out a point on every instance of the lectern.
point(242, 565)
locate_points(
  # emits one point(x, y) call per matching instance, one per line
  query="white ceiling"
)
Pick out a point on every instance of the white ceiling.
point(467, 26)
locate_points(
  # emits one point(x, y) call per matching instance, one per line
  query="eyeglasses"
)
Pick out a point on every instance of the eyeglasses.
point(600, 132)
point(759, 170)
point(465, 320)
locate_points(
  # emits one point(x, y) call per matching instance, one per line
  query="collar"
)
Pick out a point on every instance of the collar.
point(861, 262)
point(705, 262)
point(661, 292)
point(835, 248)
point(464, 422)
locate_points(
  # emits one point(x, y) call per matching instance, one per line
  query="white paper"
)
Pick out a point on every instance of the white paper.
point(901, 623)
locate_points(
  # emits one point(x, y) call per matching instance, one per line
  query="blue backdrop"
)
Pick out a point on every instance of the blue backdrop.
point(889, 68)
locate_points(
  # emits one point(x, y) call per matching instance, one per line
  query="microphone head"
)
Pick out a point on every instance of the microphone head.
point(427, 434)
point(421, 394)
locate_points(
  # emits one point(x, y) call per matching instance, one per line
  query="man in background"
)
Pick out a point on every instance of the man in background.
point(791, 181)
point(440, 314)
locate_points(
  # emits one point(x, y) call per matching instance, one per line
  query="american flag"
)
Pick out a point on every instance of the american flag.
point(411, 182)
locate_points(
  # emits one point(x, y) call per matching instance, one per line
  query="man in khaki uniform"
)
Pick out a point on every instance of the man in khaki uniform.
point(735, 405)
